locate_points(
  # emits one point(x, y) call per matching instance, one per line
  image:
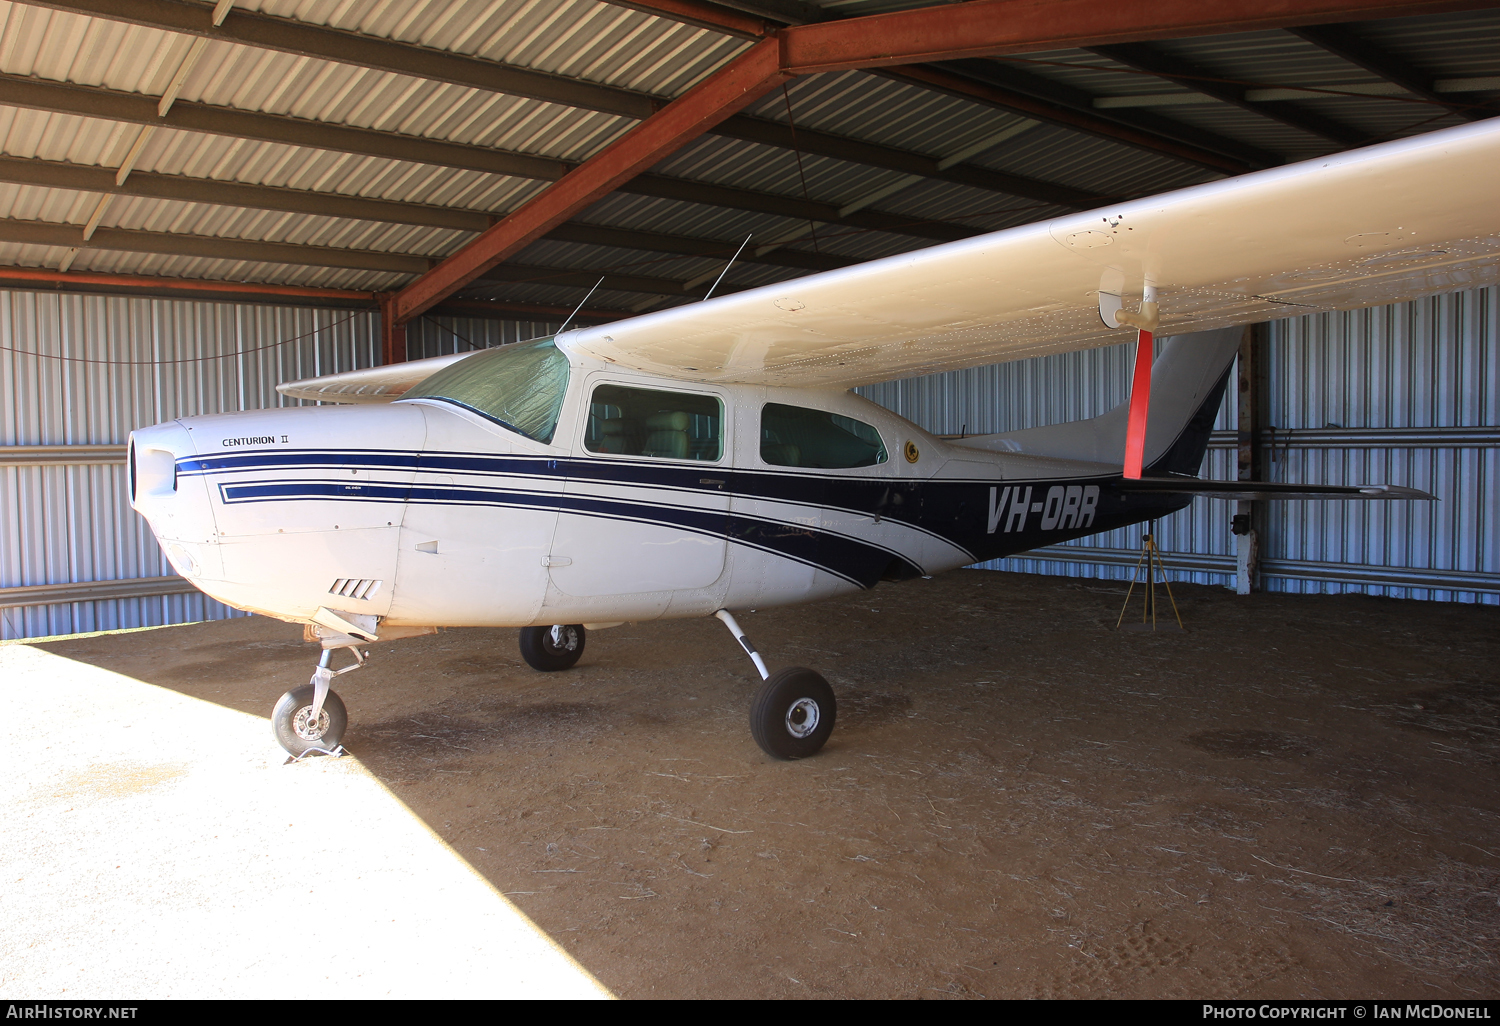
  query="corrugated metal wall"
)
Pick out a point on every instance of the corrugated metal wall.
point(85, 370)
point(1406, 394)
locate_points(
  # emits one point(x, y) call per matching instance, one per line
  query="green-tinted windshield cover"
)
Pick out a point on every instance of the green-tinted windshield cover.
point(520, 387)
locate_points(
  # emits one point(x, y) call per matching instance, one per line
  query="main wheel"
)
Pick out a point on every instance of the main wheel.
point(793, 713)
point(552, 648)
point(295, 729)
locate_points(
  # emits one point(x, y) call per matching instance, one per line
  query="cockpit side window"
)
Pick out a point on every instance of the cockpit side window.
point(793, 436)
point(520, 387)
point(650, 422)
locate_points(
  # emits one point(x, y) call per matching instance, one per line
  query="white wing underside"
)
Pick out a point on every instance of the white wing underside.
point(1380, 225)
point(1373, 226)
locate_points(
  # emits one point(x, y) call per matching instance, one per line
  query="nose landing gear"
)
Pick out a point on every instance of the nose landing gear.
point(312, 719)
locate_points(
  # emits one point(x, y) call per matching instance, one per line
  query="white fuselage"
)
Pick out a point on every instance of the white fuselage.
point(423, 513)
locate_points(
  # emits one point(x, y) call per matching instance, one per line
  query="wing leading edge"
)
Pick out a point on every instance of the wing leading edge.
point(1378, 225)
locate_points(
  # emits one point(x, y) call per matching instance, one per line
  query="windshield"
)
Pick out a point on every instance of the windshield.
point(519, 387)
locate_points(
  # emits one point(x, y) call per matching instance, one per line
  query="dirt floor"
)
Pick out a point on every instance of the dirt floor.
point(1296, 798)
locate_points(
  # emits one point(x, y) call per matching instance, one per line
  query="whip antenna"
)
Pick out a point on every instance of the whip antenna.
point(577, 308)
point(728, 266)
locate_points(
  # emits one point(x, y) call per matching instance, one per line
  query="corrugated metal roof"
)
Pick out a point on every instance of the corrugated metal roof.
point(628, 50)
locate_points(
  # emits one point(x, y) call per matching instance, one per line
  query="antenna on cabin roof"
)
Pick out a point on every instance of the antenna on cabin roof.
point(569, 321)
point(728, 266)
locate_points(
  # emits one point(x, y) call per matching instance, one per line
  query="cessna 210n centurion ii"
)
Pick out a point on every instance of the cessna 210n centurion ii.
point(711, 457)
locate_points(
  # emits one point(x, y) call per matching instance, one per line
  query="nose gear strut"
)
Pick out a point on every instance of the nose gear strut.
point(311, 719)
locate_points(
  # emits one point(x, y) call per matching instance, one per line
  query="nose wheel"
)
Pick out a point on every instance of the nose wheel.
point(300, 730)
point(312, 718)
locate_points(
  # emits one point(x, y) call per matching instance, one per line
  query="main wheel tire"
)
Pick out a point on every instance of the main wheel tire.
point(294, 732)
point(793, 713)
point(545, 653)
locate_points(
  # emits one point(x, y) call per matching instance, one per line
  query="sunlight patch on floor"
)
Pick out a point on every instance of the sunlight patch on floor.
point(156, 846)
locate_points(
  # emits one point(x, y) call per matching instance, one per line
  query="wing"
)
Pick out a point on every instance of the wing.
point(1378, 225)
point(371, 385)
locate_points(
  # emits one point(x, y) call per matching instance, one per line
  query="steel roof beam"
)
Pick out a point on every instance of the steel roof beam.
point(149, 185)
point(799, 209)
point(978, 28)
point(57, 174)
point(45, 233)
point(1143, 131)
point(288, 36)
point(45, 279)
point(212, 247)
point(728, 18)
point(1068, 108)
point(505, 310)
point(585, 279)
point(730, 89)
point(90, 101)
point(685, 245)
point(983, 28)
point(1190, 76)
point(1343, 43)
point(135, 108)
point(772, 133)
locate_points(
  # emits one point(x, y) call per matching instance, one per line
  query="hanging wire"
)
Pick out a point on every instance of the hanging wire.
point(434, 321)
point(812, 228)
point(186, 359)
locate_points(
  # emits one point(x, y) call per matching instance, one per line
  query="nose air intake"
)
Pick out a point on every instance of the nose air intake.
point(153, 472)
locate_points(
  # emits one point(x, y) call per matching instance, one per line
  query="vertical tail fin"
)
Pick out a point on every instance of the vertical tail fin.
point(1187, 386)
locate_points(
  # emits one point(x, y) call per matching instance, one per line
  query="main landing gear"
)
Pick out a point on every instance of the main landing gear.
point(791, 717)
point(792, 714)
point(552, 648)
point(312, 719)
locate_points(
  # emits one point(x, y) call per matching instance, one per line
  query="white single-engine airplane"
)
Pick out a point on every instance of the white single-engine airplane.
point(711, 457)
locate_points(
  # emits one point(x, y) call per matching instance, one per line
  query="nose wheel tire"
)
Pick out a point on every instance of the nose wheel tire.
point(295, 729)
point(552, 648)
point(793, 713)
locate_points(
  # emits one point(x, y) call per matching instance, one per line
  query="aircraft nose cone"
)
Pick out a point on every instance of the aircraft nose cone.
point(174, 503)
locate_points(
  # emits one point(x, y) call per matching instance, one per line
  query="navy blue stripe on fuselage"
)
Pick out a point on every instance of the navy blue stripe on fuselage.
point(859, 562)
point(955, 512)
point(886, 498)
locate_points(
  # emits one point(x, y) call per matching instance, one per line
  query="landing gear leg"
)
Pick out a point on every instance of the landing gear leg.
point(312, 718)
point(793, 713)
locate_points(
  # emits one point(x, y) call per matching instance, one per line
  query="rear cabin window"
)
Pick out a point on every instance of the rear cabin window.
point(792, 436)
point(648, 422)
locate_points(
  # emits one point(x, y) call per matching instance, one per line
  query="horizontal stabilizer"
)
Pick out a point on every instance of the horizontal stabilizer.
point(371, 385)
point(1271, 489)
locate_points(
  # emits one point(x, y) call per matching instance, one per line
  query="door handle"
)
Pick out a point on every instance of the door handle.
point(715, 482)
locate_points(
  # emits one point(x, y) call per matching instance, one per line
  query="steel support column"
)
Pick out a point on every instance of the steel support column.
point(1249, 520)
point(392, 332)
